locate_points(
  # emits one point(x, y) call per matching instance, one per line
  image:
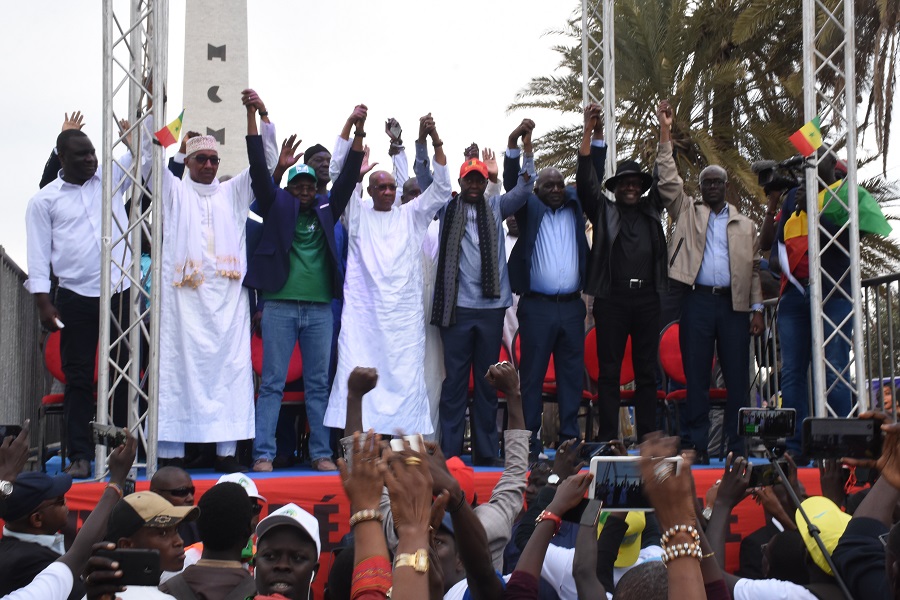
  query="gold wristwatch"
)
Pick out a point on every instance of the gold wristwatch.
point(418, 561)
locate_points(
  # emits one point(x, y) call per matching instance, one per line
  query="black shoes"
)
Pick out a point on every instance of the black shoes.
point(80, 468)
point(228, 464)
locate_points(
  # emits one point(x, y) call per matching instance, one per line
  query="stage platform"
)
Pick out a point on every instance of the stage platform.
point(323, 496)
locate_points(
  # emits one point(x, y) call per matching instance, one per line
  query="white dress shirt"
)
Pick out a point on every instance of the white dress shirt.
point(63, 224)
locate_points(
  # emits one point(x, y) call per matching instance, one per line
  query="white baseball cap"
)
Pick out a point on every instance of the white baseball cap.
point(293, 515)
point(243, 481)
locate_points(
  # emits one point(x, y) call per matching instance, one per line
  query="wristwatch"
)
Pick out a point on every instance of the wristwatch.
point(6, 488)
point(418, 561)
point(553, 479)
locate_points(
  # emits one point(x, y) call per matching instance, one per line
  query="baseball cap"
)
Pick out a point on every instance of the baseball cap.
point(145, 509)
point(465, 475)
point(831, 521)
point(293, 515)
point(30, 489)
point(630, 547)
point(243, 481)
point(473, 164)
point(298, 170)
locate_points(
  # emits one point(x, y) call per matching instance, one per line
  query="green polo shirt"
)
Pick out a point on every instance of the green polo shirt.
point(310, 276)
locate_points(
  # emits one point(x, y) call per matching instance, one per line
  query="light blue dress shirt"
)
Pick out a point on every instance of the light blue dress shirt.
point(715, 270)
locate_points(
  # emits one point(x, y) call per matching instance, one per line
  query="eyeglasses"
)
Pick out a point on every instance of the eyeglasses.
point(180, 492)
point(202, 158)
point(386, 186)
point(255, 508)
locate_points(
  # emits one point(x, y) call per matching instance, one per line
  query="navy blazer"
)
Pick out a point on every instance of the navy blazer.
point(269, 268)
point(529, 219)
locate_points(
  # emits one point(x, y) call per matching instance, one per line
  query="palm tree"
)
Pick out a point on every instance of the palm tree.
point(732, 69)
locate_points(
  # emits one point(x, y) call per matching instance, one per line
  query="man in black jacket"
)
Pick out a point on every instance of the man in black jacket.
point(626, 273)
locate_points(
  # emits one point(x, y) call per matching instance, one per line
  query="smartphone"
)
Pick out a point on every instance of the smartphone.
point(618, 483)
point(589, 451)
point(138, 566)
point(108, 435)
point(840, 438)
point(767, 423)
point(395, 129)
point(416, 443)
point(764, 475)
point(591, 514)
point(9, 430)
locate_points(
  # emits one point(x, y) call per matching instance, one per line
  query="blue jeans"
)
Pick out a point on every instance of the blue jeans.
point(284, 322)
point(795, 339)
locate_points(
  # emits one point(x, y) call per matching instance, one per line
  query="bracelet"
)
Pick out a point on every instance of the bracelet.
point(710, 555)
point(367, 514)
point(437, 144)
point(358, 133)
point(462, 500)
point(673, 531)
point(117, 488)
point(264, 113)
point(682, 551)
point(546, 515)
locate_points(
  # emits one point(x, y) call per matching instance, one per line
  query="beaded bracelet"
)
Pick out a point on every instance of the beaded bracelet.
point(368, 514)
point(681, 551)
point(117, 488)
point(673, 531)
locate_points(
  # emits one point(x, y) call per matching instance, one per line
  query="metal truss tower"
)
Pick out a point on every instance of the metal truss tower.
point(829, 52)
point(598, 67)
point(135, 37)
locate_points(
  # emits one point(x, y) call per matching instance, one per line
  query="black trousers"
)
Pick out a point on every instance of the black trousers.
point(633, 312)
point(78, 350)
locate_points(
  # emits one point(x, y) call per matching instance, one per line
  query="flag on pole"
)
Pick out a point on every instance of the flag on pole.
point(169, 134)
point(808, 138)
point(871, 219)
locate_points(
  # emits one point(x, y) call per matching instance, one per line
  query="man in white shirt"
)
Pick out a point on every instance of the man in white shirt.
point(63, 226)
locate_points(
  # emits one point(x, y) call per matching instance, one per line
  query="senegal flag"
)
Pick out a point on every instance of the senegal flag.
point(169, 134)
point(808, 138)
point(833, 206)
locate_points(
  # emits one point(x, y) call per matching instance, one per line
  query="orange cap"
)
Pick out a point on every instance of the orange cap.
point(473, 164)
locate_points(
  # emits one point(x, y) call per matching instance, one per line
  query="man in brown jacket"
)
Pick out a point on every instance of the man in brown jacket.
point(715, 251)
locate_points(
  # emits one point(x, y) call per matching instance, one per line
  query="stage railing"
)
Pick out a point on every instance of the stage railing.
point(23, 379)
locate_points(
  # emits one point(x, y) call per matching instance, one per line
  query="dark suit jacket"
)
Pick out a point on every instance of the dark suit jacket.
point(269, 267)
point(20, 563)
point(529, 219)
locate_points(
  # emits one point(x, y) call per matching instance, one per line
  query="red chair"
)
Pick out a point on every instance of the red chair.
point(670, 360)
point(52, 404)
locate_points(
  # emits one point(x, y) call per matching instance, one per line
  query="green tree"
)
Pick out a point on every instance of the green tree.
point(732, 69)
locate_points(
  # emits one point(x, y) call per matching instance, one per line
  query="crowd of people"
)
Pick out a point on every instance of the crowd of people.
point(417, 530)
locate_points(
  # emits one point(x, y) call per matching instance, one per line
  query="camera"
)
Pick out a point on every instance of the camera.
point(784, 175)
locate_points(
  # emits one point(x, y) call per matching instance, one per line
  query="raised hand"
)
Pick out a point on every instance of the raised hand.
point(502, 376)
point(185, 138)
point(440, 474)
point(426, 124)
point(289, 156)
point(490, 161)
point(359, 114)
point(733, 486)
point(408, 479)
point(471, 151)
point(362, 380)
point(252, 101)
point(121, 459)
point(664, 113)
point(568, 459)
point(523, 128)
point(365, 167)
point(76, 121)
point(393, 130)
point(124, 126)
point(591, 117)
point(102, 575)
point(14, 453)
point(363, 484)
point(570, 493)
point(888, 464)
point(669, 493)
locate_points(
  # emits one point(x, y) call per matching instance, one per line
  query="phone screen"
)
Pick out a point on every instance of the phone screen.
point(769, 423)
point(9, 430)
point(840, 438)
point(618, 483)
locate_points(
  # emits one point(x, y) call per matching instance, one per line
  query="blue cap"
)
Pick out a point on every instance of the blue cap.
point(298, 170)
point(447, 523)
point(30, 489)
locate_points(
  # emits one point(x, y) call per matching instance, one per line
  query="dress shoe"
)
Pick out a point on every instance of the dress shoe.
point(80, 468)
point(171, 462)
point(228, 464)
point(324, 464)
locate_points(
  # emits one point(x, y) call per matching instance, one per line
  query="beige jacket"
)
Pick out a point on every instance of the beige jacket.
point(689, 240)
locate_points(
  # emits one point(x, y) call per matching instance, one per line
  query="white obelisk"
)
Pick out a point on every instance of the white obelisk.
point(215, 72)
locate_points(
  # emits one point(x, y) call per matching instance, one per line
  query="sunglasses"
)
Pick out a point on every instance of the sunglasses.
point(202, 158)
point(255, 508)
point(180, 492)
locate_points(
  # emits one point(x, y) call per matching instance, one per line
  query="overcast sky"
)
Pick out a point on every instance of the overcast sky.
point(310, 62)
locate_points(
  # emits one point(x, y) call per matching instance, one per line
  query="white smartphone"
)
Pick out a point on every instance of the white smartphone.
point(416, 443)
point(618, 483)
